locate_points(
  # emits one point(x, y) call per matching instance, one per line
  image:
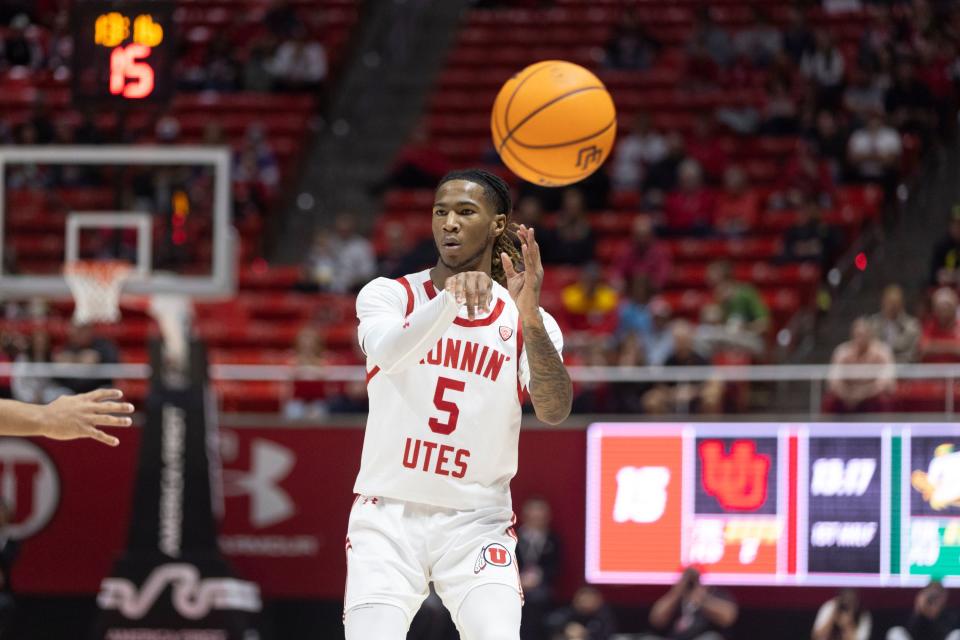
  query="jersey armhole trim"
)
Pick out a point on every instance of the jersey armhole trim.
point(409, 289)
point(519, 351)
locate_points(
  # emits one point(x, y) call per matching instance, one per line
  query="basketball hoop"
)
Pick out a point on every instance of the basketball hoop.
point(95, 285)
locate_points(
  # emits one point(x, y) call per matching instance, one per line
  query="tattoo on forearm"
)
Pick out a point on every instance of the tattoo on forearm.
point(550, 387)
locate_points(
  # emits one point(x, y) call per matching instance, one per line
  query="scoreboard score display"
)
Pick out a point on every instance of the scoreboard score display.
point(774, 504)
point(123, 51)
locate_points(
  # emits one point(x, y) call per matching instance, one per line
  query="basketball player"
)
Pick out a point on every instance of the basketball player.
point(67, 417)
point(450, 352)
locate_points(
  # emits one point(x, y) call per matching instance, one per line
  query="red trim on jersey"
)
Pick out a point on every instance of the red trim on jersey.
point(406, 285)
point(482, 322)
point(346, 580)
point(519, 350)
point(372, 373)
point(464, 322)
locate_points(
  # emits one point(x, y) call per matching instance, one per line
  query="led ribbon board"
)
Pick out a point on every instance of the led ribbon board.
point(769, 503)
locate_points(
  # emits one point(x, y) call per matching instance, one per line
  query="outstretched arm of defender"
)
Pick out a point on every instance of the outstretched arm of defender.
point(67, 417)
point(550, 388)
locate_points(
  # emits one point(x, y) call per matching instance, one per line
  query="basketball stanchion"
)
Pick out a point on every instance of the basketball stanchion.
point(172, 576)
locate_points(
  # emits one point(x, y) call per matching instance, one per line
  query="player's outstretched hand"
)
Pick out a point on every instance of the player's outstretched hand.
point(472, 288)
point(524, 286)
point(72, 417)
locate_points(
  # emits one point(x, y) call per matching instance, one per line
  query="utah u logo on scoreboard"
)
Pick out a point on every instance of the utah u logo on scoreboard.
point(737, 480)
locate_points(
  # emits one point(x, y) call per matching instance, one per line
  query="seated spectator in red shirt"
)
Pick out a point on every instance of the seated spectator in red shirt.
point(704, 147)
point(647, 256)
point(690, 209)
point(940, 340)
point(308, 394)
point(738, 206)
point(868, 394)
point(572, 240)
point(420, 164)
point(590, 303)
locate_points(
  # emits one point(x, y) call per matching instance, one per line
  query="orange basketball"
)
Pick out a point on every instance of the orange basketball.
point(553, 123)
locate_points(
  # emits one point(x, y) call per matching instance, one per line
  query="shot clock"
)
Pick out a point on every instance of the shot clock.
point(123, 51)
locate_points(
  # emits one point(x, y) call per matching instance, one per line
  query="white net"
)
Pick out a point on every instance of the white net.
point(95, 286)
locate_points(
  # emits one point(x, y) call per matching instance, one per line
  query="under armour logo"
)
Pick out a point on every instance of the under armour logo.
point(739, 480)
point(588, 155)
point(269, 465)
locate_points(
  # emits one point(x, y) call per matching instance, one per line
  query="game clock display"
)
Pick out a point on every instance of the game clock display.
point(123, 51)
point(768, 503)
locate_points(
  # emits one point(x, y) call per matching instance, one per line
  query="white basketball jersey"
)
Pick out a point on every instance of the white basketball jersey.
point(444, 429)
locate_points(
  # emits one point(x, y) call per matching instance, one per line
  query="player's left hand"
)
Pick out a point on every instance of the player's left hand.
point(524, 286)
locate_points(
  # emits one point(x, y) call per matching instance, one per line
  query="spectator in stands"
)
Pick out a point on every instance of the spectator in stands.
point(281, 19)
point(529, 212)
point(420, 164)
point(644, 146)
point(711, 39)
point(874, 153)
point(940, 338)
point(256, 75)
point(805, 178)
point(35, 390)
point(829, 141)
point(590, 303)
point(931, 618)
point(894, 326)
point(309, 393)
point(300, 63)
point(825, 67)
point(587, 618)
point(738, 206)
point(647, 257)
point(909, 102)
point(691, 611)
point(780, 110)
point(743, 309)
point(538, 559)
point(704, 146)
point(867, 394)
point(863, 96)
point(397, 258)
point(690, 209)
point(19, 50)
point(712, 335)
point(319, 268)
point(945, 262)
point(630, 47)
point(760, 42)
point(842, 618)
point(797, 36)
point(684, 397)
point(811, 239)
point(661, 176)
point(634, 316)
point(572, 240)
point(221, 71)
point(659, 343)
point(84, 346)
point(628, 396)
point(355, 260)
point(594, 396)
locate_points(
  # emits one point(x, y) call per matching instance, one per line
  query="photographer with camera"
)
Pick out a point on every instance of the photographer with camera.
point(691, 611)
point(842, 618)
point(931, 619)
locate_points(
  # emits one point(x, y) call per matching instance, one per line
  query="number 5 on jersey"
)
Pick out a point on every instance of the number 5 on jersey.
point(443, 404)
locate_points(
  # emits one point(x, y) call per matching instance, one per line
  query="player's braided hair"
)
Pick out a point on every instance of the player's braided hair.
point(498, 193)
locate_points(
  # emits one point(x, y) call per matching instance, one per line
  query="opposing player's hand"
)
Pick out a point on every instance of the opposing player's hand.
point(524, 286)
point(72, 417)
point(472, 288)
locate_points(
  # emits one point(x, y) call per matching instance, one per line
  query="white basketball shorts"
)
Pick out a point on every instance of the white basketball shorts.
point(395, 549)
